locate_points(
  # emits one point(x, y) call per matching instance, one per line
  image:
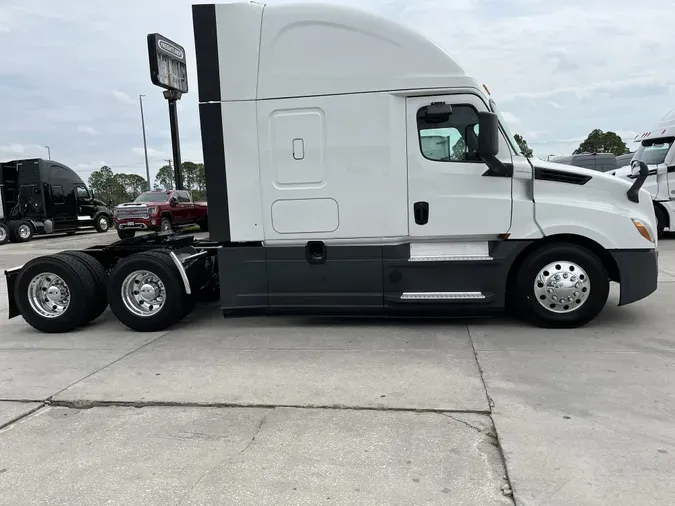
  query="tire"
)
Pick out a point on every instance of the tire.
point(79, 282)
point(101, 223)
point(165, 225)
point(661, 220)
point(126, 234)
point(95, 268)
point(536, 304)
point(21, 231)
point(4, 234)
point(172, 308)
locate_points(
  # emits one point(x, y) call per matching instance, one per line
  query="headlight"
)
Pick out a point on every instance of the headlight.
point(152, 211)
point(115, 212)
point(643, 230)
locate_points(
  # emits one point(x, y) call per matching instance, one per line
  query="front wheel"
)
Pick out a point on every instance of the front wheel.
point(101, 223)
point(561, 286)
point(165, 225)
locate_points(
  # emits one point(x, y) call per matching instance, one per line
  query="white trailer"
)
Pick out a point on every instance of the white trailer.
point(657, 150)
point(325, 198)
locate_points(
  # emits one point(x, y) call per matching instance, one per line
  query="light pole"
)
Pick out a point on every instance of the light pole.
point(145, 143)
point(49, 152)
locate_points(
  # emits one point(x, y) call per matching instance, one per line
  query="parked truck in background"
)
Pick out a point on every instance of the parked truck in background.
point(159, 210)
point(601, 162)
point(657, 150)
point(329, 193)
point(43, 197)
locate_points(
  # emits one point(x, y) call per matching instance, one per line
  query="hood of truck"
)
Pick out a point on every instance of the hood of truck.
point(594, 203)
point(140, 204)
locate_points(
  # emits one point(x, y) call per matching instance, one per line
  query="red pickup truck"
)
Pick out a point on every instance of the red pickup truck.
point(159, 210)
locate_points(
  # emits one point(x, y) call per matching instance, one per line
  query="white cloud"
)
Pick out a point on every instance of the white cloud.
point(511, 118)
point(122, 97)
point(86, 129)
point(560, 68)
point(152, 153)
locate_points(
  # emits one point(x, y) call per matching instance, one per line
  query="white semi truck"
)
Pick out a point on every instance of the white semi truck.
point(657, 150)
point(325, 198)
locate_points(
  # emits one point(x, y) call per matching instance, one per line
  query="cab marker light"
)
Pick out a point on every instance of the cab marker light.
point(643, 230)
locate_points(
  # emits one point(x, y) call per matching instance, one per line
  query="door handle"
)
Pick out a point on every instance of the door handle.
point(421, 211)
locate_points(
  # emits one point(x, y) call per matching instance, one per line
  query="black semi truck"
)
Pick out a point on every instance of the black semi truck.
point(40, 196)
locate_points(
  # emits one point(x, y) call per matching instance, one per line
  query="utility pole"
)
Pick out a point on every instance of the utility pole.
point(145, 143)
point(49, 152)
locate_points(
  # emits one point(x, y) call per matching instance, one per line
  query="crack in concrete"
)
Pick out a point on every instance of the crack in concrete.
point(478, 429)
point(21, 417)
point(88, 404)
point(508, 489)
point(226, 460)
point(111, 363)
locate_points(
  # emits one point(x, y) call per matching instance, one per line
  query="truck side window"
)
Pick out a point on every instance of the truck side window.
point(456, 140)
point(183, 196)
point(57, 194)
point(82, 193)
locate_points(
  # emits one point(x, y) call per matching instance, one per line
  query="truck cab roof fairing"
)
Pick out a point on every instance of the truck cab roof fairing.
point(308, 49)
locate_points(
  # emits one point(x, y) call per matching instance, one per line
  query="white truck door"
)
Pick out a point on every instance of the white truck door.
point(450, 192)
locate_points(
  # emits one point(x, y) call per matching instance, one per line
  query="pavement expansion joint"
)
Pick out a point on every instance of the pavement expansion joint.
point(88, 404)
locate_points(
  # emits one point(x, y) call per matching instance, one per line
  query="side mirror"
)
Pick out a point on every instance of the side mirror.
point(437, 112)
point(488, 145)
point(173, 200)
point(488, 135)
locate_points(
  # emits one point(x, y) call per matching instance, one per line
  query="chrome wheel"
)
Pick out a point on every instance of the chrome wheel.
point(143, 293)
point(3, 235)
point(23, 231)
point(48, 295)
point(103, 223)
point(166, 225)
point(562, 287)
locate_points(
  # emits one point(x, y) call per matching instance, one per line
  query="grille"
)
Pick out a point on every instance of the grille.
point(134, 212)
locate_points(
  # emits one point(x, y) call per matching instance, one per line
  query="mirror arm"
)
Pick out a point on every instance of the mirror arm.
point(633, 192)
point(496, 167)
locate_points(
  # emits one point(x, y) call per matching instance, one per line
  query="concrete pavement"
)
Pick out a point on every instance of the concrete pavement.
point(297, 411)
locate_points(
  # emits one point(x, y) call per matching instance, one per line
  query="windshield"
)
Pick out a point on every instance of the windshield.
point(654, 151)
point(152, 197)
point(505, 127)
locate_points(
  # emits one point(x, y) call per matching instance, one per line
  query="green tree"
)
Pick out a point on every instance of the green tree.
point(129, 186)
point(164, 180)
point(602, 142)
point(524, 148)
point(101, 183)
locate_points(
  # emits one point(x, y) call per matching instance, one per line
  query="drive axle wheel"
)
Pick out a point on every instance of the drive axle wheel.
point(21, 231)
point(146, 292)
point(561, 286)
point(95, 268)
point(4, 234)
point(53, 293)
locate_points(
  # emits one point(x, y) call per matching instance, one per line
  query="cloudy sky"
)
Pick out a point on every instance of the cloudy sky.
point(71, 71)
